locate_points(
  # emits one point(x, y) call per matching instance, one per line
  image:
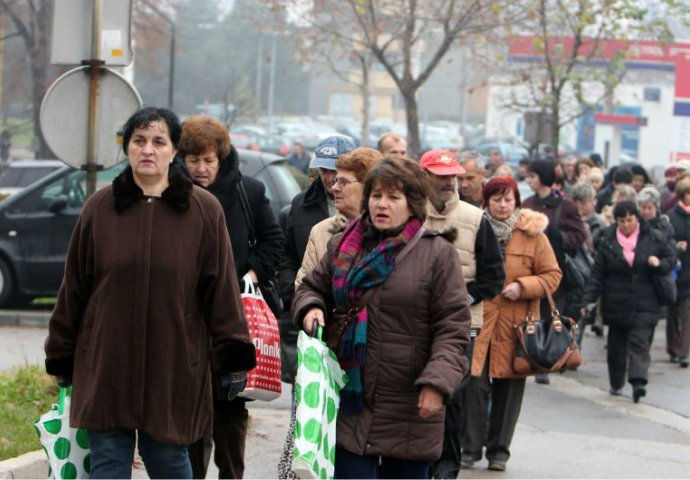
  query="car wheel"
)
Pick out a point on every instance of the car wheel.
point(7, 283)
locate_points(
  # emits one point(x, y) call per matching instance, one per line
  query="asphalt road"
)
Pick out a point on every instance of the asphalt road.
point(571, 428)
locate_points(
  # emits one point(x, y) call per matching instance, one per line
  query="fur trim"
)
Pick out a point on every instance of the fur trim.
point(63, 366)
point(450, 234)
point(233, 356)
point(531, 222)
point(126, 191)
point(338, 225)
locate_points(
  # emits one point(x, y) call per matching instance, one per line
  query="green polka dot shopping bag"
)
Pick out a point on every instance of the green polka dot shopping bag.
point(317, 395)
point(67, 448)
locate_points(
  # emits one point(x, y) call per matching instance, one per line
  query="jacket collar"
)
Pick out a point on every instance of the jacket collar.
point(315, 194)
point(450, 206)
point(126, 192)
point(228, 174)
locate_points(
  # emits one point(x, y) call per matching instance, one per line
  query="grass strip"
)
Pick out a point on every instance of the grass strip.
point(26, 393)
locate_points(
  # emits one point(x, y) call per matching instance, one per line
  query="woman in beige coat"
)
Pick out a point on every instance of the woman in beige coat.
point(528, 257)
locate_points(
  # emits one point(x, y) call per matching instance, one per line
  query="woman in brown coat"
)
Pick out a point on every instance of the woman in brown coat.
point(528, 257)
point(149, 277)
point(401, 290)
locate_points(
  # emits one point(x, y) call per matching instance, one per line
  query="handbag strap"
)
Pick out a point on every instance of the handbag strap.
point(247, 211)
point(552, 304)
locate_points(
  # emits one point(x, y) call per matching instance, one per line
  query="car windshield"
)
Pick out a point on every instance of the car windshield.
point(23, 176)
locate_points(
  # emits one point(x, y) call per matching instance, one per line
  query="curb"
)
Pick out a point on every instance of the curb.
point(30, 465)
point(22, 318)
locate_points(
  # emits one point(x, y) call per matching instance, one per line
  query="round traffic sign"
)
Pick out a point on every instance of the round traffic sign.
point(65, 112)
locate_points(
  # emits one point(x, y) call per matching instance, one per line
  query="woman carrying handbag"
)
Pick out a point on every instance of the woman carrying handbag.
point(528, 260)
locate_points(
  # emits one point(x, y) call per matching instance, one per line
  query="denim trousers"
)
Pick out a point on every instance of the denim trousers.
point(112, 454)
point(351, 465)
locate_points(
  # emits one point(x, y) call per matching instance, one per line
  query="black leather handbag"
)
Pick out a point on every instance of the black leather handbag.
point(546, 346)
point(665, 288)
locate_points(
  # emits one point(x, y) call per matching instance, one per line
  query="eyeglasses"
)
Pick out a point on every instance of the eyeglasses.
point(342, 182)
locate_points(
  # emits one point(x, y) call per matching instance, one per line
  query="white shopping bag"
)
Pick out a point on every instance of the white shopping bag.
point(317, 395)
point(67, 448)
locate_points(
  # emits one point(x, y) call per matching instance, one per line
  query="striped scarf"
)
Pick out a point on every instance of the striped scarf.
point(352, 276)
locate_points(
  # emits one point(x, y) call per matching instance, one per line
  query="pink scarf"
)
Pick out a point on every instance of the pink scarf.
point(628, 243)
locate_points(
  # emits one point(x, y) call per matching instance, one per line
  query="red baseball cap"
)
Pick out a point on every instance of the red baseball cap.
point(441, 162)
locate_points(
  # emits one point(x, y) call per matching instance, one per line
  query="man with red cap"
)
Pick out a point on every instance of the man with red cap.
point(482, 268)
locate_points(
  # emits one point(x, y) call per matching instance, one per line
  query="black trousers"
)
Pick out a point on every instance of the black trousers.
point(229, 436)
point(506, 402)
point(628, 346)
point(678, 328)
point(448, 466)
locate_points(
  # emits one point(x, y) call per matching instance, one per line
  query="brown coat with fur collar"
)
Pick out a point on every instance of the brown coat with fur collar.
point(417, 334)
point(528, 257)
point(147, 282)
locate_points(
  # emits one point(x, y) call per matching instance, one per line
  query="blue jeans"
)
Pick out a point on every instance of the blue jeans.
point(112, 454)
point(351, 465)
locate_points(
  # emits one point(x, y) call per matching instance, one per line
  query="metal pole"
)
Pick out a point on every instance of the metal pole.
point(259, 65)
point(94, 97)
point(171, 80)
point(271, 79)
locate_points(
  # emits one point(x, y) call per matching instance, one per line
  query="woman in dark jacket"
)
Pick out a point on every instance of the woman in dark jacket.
point(629, 253)
point(149, 276)
point(649, 204)
point(678, 321)
point(213, 164)
point(403, 347)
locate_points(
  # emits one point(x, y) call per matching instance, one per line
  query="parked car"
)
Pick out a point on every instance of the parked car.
point(36, 223)
point(18, 174)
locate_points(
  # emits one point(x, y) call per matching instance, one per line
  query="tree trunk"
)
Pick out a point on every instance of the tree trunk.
point(40, 77)
point(555, 124)
point(366, 104)
point(412, 117)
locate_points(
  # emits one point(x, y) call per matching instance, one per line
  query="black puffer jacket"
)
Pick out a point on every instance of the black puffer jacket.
point(266, 256)
point(307, 209)
point(627, 293)
point(680, 219)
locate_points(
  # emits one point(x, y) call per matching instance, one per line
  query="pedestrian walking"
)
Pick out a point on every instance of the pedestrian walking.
point(351, 170)
point(400, 327)
point(149, 276)
point(528, 258)
point(629, 253)
point(213, 163)
point(482, 269)
point(678, 320)
point(566, 231)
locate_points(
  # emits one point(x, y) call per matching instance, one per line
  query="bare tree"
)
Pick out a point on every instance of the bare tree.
point(562, 81)
point(31, 20)
point(410, 37)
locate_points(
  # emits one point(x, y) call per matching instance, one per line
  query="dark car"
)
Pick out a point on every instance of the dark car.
point(36, 223)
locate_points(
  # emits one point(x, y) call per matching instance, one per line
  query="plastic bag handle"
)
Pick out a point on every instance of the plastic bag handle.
point(249, 288)
point(64, 393)
point(316, 331)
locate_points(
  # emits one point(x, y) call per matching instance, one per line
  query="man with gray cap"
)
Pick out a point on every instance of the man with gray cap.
point(307, 209)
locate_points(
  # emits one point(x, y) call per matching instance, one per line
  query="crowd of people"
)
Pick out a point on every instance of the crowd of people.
point(418, 271)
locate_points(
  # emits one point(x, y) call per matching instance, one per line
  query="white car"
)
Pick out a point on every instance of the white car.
point(16, 175)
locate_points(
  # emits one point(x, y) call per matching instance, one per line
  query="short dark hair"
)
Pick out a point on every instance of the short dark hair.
point(402, 174)
point(500, 186)
point(623, 175)
point(544, 169)
point(623, 209)
point(147, 115)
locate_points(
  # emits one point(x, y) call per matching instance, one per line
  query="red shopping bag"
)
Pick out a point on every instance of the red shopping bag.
point(263, 382)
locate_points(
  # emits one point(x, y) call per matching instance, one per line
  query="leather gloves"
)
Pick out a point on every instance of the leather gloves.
point(229, 385)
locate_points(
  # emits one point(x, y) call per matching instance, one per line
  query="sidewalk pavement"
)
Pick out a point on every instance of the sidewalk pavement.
point(658, 448)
